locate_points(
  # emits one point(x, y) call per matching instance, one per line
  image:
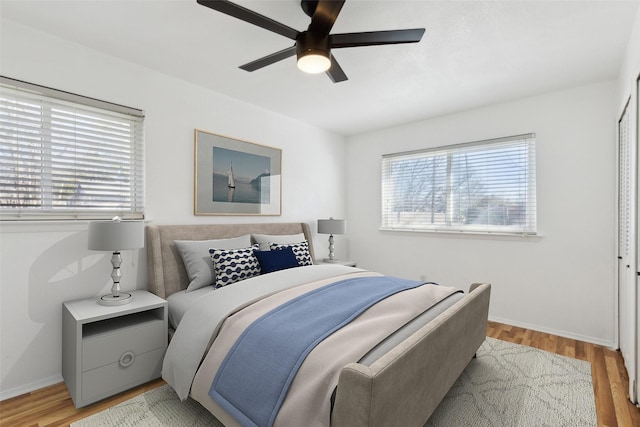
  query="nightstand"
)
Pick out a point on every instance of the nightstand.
point(339, 262)
point(109, 349)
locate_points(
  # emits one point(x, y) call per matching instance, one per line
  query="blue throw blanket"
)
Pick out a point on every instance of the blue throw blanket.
point(255, 375)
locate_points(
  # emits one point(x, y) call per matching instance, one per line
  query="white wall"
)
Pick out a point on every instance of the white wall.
point(45, 264)
point(630, 69)
point(561, 282)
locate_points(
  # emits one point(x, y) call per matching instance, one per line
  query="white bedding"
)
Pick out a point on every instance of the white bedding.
point(201, 323)
point(180, 302)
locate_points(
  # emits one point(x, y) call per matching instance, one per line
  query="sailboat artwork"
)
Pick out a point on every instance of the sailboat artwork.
point(231, 183)
point(235, 177)
point(240, 177)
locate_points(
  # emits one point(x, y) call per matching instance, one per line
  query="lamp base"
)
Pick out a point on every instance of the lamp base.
point(331, 260)
point(110, 299)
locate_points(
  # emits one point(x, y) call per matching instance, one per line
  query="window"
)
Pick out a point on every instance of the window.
point(64, 156)
point(487, 186)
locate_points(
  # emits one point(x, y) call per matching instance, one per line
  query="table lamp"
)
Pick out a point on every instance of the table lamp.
point(331, 226)
point(116, 235)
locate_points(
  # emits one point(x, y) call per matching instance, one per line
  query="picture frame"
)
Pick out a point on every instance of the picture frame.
point(235, 177)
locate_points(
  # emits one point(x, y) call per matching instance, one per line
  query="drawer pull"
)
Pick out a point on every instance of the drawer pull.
point(127, 359)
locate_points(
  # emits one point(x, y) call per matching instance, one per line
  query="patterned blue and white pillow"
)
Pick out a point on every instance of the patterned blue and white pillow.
point(234, 265)
point(301, 251)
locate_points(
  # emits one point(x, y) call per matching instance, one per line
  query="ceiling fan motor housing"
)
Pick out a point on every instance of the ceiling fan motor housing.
point(308, 43)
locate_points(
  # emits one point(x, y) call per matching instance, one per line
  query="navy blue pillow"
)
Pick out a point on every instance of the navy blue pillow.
point(277, 259)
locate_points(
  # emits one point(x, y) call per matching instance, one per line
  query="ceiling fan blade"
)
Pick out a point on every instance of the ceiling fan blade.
point(325, 16)
point(375, 38)
point(335, 72)
point(250, 16)
point(269, 59)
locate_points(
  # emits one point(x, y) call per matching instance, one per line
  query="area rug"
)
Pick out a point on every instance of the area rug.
point(507, 385)
point(511, 385)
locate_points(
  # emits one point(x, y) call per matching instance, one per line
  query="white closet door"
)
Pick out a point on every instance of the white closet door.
point(627, 275)
point(634, 135)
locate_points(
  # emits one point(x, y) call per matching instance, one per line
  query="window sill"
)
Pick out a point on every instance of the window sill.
point(44, 226)
point(470, 234)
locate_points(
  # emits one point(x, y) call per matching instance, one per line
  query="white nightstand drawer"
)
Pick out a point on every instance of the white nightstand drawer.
point(110, 379)
point(107, 348)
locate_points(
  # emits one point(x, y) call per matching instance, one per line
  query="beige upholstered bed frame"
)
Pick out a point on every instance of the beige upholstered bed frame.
point(404, 386)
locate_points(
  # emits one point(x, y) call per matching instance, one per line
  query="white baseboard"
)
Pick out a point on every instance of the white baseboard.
point(565, 334)
point(28, 388)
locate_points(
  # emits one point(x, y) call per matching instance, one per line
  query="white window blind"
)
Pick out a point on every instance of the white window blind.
point(64, 156)
point(486, 186)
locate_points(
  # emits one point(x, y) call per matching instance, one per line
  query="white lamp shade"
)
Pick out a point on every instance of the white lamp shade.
point(116, 235)
point(332, 226)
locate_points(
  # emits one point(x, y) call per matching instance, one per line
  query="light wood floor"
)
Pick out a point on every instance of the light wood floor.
point(52, 406)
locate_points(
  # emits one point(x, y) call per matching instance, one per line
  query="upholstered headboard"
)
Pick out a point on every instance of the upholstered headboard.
point(166, 270)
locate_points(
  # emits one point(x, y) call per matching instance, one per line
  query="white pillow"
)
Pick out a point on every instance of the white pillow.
point(197, 260)
point(265, 240)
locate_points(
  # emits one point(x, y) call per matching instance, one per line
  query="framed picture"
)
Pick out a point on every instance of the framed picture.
point(234, 177)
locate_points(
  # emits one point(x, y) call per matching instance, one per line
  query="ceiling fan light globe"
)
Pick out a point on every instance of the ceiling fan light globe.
point(314, 63)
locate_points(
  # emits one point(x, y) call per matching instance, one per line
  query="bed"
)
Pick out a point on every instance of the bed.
point(391, 364)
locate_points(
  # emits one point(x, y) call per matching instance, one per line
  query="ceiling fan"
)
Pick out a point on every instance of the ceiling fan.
point(313, 46)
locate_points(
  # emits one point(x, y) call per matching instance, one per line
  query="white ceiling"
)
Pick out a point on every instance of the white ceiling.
point(473, 53)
